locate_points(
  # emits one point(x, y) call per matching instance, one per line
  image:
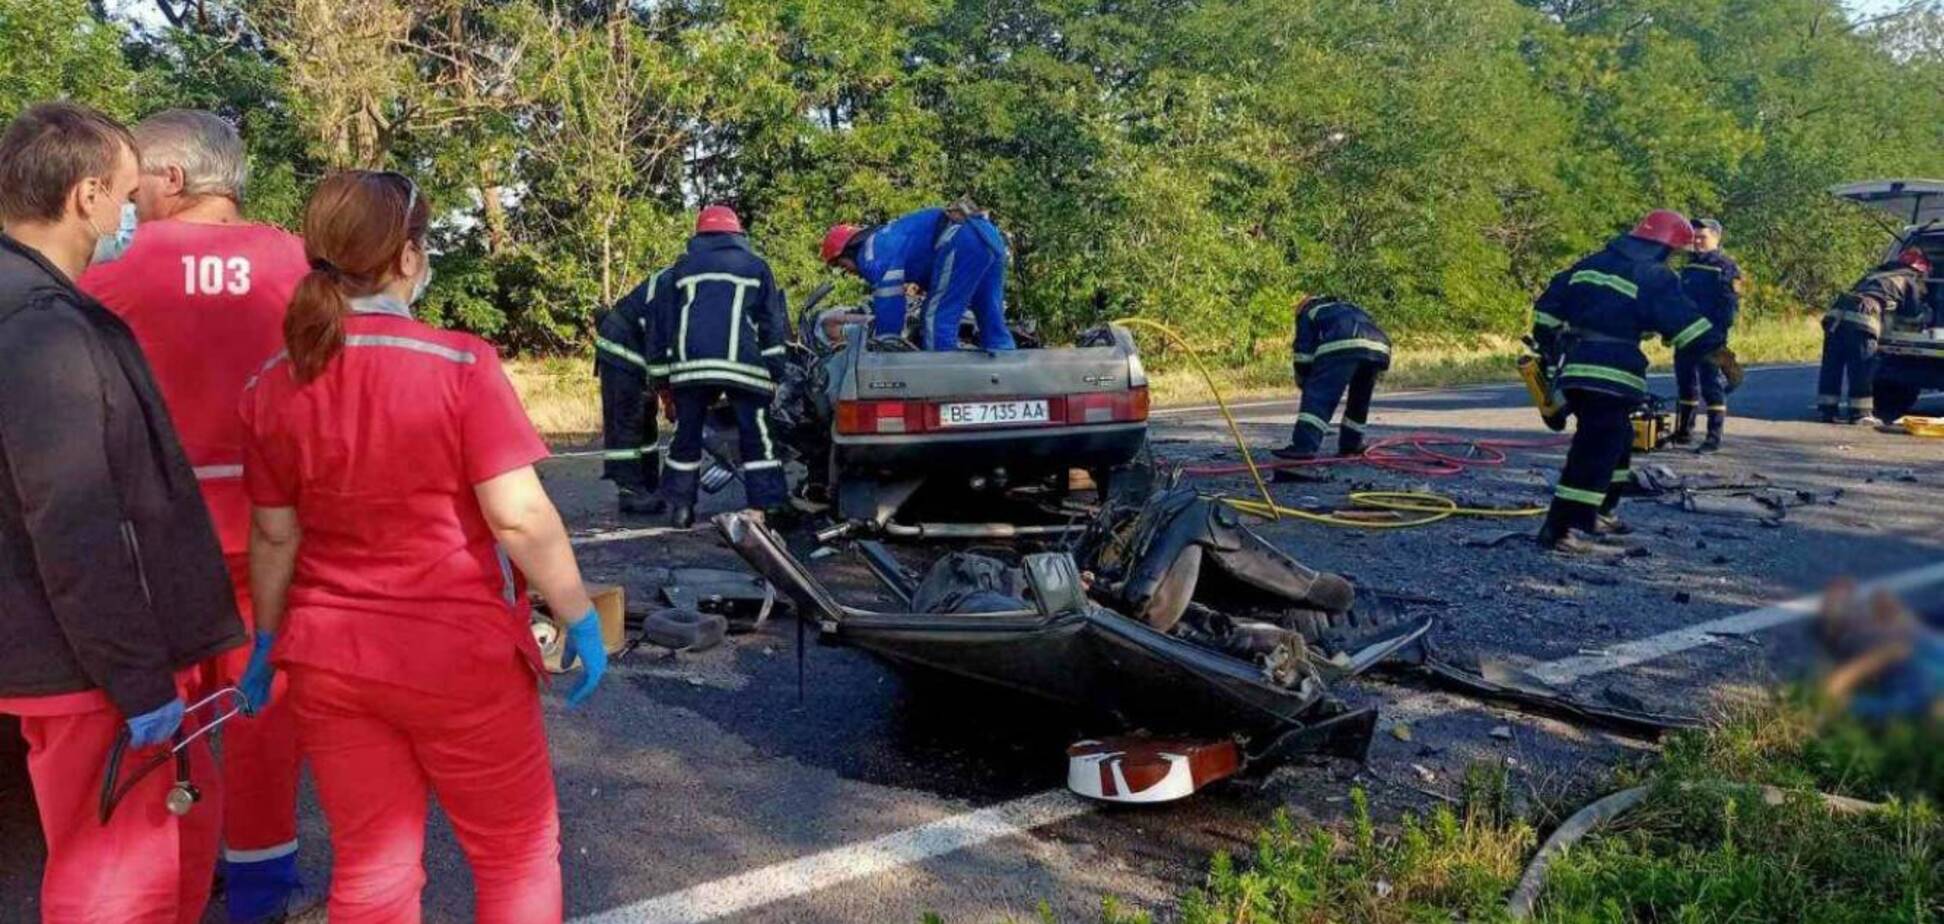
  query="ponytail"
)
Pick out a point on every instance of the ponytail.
point(314, 324)
point(356, 225)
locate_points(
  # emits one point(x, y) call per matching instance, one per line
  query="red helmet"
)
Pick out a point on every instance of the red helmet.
point(835, 240)
point(1915, 259)
point(1663, 226)
point(718, 218)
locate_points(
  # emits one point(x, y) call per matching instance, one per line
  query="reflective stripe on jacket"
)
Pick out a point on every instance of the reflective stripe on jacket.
point(1332, 327)
point(717, 317)
point(1595, 313)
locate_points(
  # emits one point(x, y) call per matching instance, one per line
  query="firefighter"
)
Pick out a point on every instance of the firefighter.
point(1713, 282)
point(629, 432)
point(204, 291)
point(1851, 328)
point(955, 255)
point(114, 600)
point(1338, 347)
point(717, 328)
point(1594, 314)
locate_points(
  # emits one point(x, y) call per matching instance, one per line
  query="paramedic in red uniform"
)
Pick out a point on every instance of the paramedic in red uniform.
point(112, 592)
point(205, 292)
point(395, 521)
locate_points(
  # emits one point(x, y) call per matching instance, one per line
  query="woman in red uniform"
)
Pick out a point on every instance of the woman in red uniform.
point(395, 521)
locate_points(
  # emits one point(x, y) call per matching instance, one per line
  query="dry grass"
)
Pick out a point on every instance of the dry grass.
point(561, 395)
point(564, 399)
point(1424, 362)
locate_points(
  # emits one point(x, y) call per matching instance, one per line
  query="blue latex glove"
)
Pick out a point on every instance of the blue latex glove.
point(584, 643)
point(255, 685)
point(152, 728)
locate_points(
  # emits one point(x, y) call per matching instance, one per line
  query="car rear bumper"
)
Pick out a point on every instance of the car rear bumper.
point(1050, 448)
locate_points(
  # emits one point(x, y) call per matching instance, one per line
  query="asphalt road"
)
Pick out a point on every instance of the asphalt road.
point(699, 786)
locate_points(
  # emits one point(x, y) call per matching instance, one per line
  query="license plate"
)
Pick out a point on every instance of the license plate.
point(992, 413)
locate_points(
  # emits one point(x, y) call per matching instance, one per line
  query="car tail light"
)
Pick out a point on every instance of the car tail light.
point(1108, 407)
point(863, 418)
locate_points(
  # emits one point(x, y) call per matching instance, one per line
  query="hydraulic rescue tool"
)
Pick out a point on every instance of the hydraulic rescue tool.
point(1539, 376)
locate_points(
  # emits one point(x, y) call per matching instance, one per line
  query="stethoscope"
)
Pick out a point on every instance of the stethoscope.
point(183, 795)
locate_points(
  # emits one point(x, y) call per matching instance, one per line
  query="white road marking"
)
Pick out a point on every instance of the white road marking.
point(757, 888)
point(1567, 670)
point(742, 892)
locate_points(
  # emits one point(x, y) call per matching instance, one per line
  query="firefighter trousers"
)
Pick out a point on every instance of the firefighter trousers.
point(762, 468)
point(1849, 352)
point(1598, 464)
point(145, 866)
point(629, 429)
point(1699, 380)
point(378, 751)
point(1329, 380)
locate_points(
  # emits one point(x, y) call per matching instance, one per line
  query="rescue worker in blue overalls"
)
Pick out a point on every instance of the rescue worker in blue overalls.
point(1338, 348)
point(1595, 314)
point(717, 328)
point(954, 255)
point(1852, 327)
point(629, 431)
point(1713, 282)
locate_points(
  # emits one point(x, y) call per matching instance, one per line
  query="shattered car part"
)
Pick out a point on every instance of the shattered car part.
point(1507, 686)
point(1179, 547)
point(1140, 770)
point(1039, 633)
point(743, 600)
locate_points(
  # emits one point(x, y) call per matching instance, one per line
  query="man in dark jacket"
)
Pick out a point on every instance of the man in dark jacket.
point(1851, 328)
point(629, 431)
point(1713, 282)
point(717, 329)
point(115, 591)
point(1594, 314)
point(1338, 348)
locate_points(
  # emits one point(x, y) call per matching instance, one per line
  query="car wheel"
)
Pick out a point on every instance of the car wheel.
point(1894, 399)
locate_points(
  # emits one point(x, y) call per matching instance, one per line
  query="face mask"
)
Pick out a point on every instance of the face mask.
point(112, 244)
point(424, 282)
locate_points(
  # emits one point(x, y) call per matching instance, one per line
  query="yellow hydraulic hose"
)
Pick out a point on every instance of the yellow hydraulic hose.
point(1241, 445)
point(1430, 508)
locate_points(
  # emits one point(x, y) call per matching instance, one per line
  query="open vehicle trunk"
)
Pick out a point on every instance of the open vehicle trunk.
point(1911, 201)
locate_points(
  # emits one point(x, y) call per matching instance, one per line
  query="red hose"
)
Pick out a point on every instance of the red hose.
point(1409, 453)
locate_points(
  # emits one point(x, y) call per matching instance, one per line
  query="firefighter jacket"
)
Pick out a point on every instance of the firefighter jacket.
point(1892, 288)
point(1595, 314)
point(1713, 282)
point(1330, 327)
point(716, 317)
point(621, 335)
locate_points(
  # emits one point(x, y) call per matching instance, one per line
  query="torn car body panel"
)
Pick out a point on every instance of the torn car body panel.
point(1055, 643)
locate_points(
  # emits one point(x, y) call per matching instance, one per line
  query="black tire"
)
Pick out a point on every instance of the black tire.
point(1894, 399)
point(683, 630)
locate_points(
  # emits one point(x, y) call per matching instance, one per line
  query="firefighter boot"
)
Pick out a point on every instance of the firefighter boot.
point(682, 516)
point(1716, 419)
point(641, 504)
point(1683, 425)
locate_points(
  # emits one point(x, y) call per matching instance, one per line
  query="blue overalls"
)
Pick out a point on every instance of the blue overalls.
point(960, 265)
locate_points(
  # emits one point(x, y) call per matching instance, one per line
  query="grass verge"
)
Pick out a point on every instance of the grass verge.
point(564, 399)
point(1705, 846)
